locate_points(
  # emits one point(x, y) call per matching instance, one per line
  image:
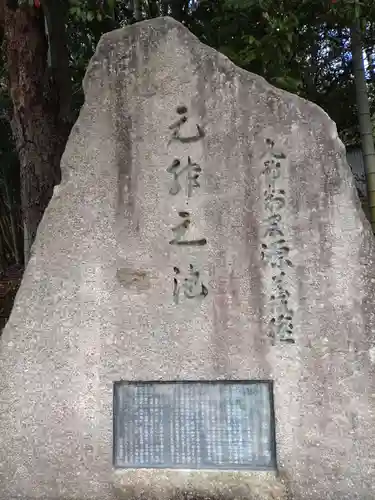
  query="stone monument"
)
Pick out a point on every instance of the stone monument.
point(206, 235)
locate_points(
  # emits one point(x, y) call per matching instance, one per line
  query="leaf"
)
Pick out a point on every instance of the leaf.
point(90, 16)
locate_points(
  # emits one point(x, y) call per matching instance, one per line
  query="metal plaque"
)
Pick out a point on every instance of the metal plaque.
point(194, 425)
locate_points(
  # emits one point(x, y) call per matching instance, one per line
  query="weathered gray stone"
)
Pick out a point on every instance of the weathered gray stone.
point(96, 306)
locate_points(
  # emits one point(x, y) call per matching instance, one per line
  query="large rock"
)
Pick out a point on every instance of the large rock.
point(98, 302)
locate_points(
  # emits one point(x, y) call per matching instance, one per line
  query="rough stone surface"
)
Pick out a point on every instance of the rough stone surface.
point(96, 302)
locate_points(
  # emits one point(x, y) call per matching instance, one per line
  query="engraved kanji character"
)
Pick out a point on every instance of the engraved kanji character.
point(193, 172)
point(283, 330)
point(273, 226)
point(273, 162)
point(180, 231)
point(282, 321)
point(191, 286)
point(274, 199)
point(275, 253)
point(281, 308)
point(279, 291)
point(272, 169)
point(278, 155)
point(176, 126)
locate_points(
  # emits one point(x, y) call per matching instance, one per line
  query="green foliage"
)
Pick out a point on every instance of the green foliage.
point(86, 11)
point(300, 45)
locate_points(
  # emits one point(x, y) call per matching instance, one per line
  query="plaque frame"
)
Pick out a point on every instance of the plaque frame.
point(272, 424)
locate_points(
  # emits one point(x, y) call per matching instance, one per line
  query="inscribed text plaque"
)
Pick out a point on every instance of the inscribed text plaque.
point(200, 425)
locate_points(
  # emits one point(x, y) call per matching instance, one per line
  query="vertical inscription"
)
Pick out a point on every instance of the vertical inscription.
point(274, 248)
point(188, 284)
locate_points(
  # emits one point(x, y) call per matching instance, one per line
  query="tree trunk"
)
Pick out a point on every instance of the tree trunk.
point(364, 116)
point(153, 9)
point(177, 9)
point(13, 225)
point(137, 10)
point(41, 119)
